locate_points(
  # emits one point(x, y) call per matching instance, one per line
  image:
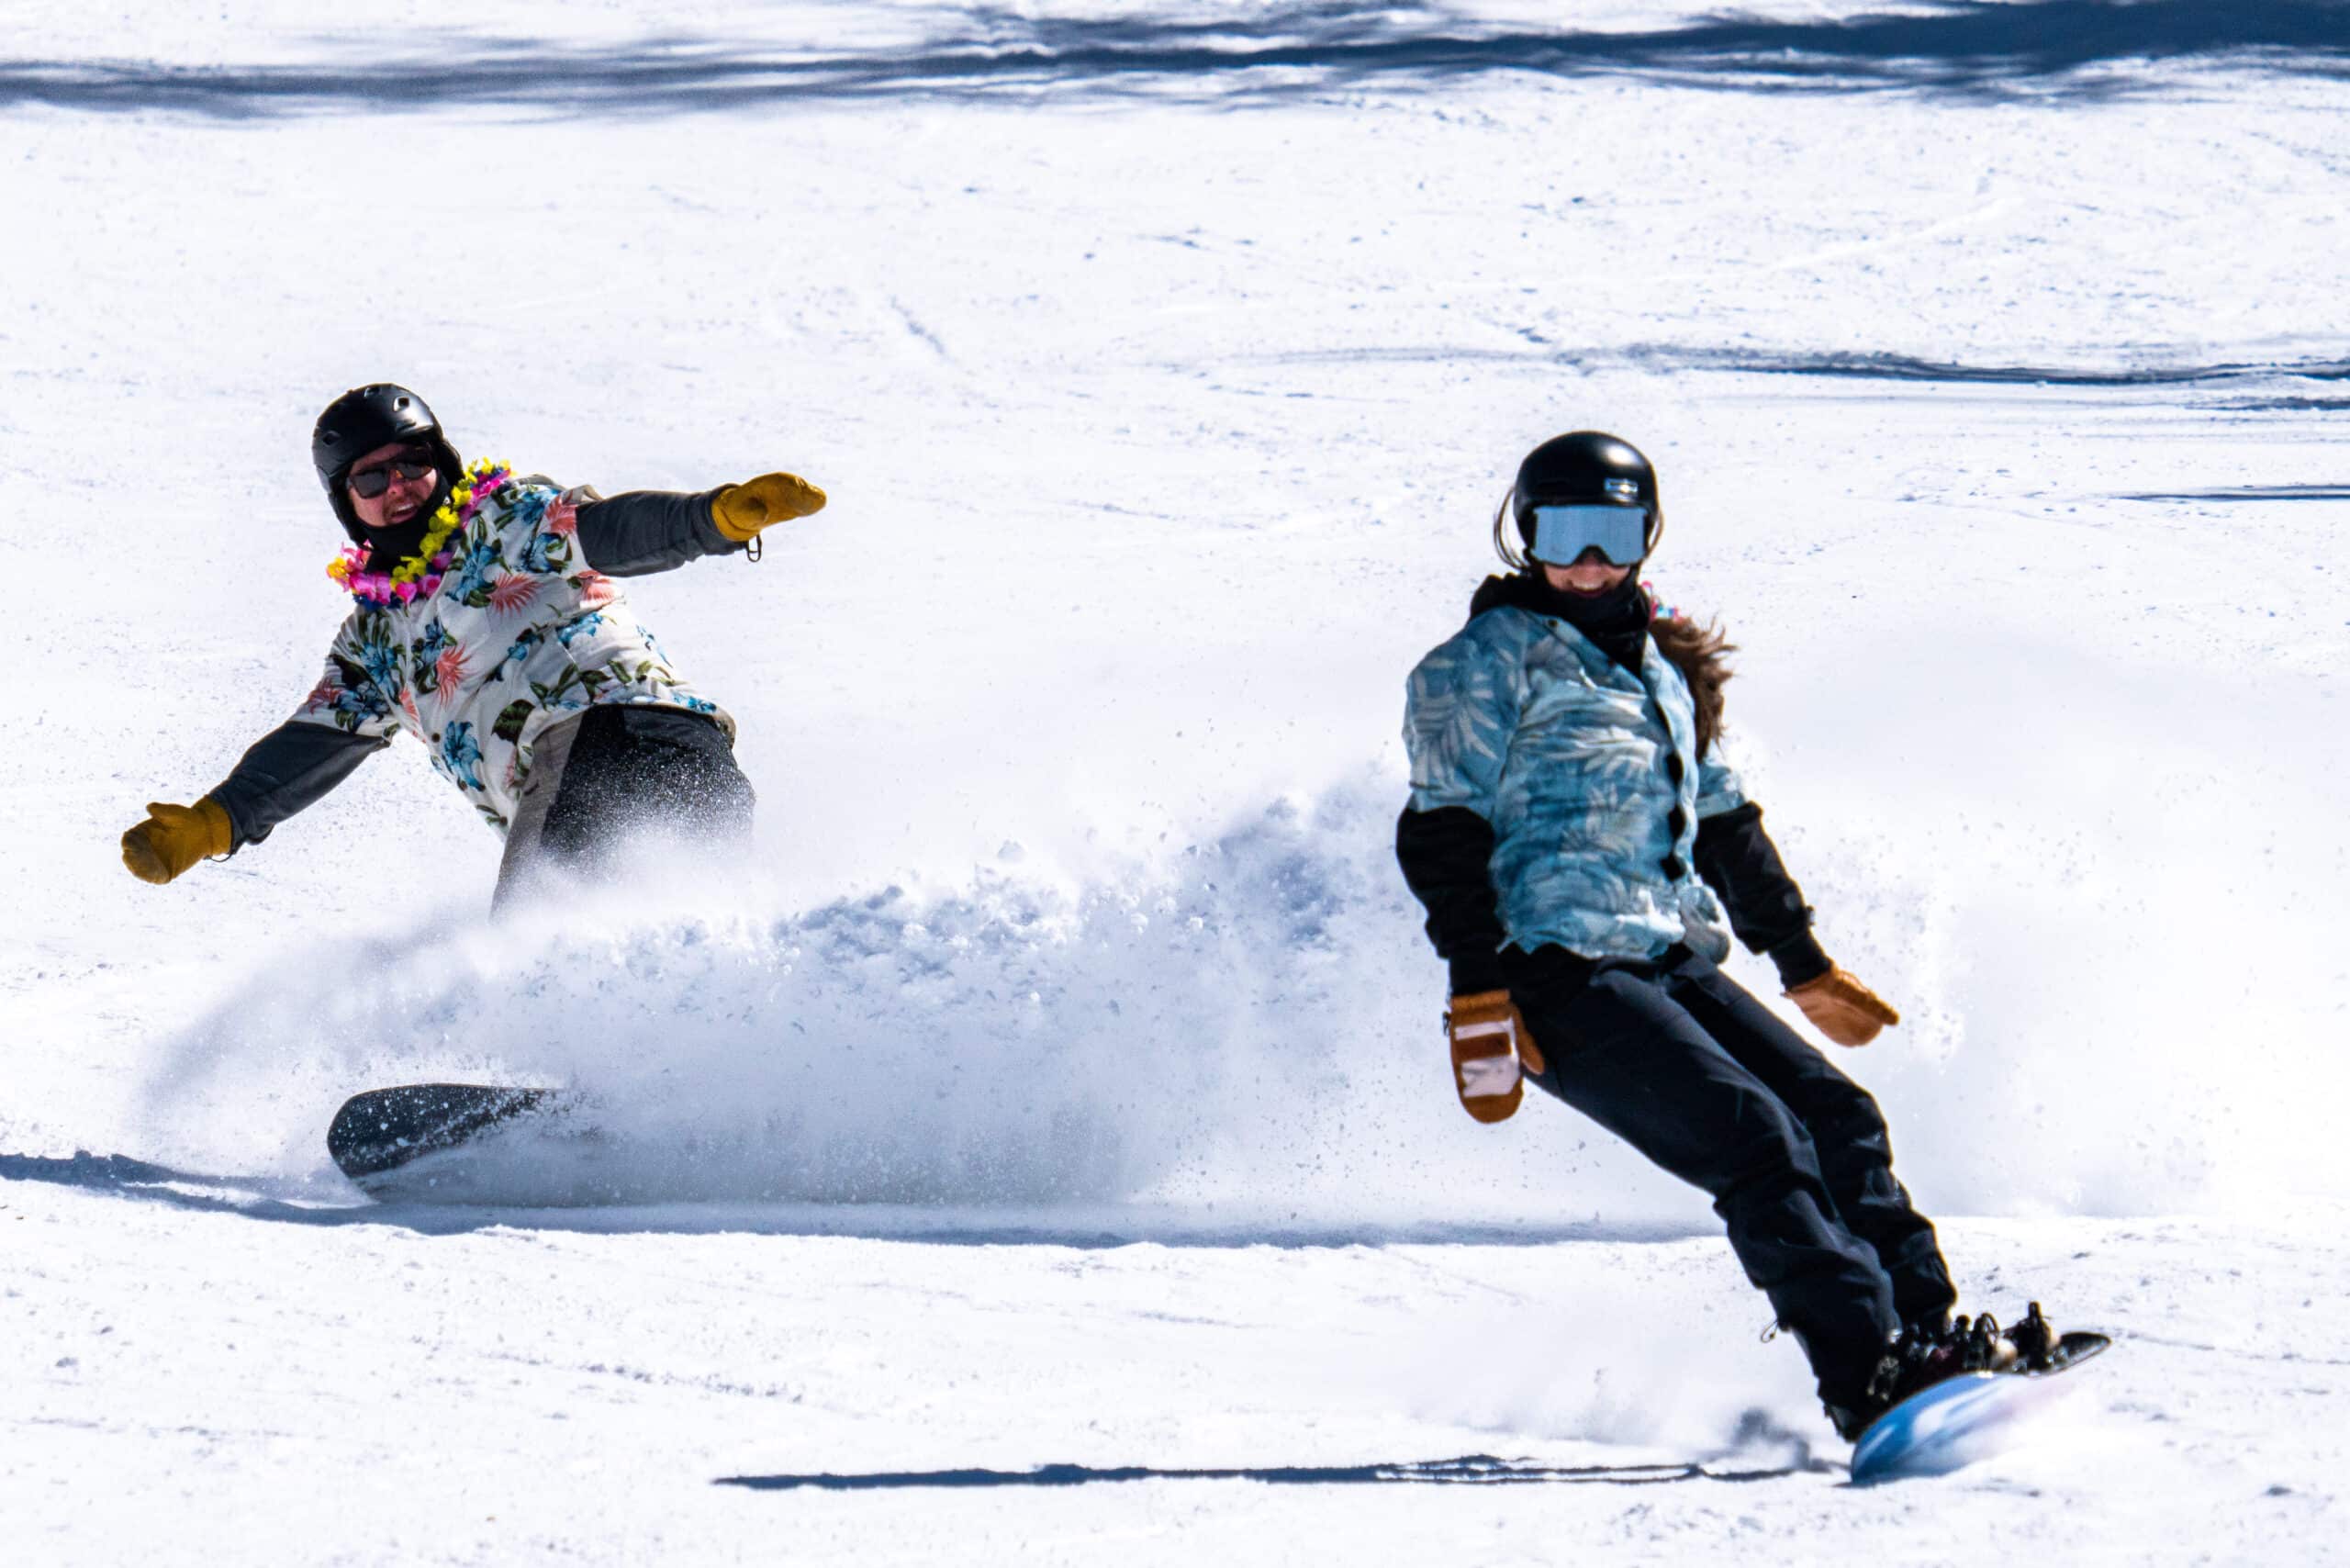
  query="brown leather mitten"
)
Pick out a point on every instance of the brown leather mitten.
point(174, 838)
point(741, 511)
point(1492, 1053)
point(1842, 1008)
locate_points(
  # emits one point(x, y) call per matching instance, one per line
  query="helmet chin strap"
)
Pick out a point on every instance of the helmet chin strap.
point(1511, 556)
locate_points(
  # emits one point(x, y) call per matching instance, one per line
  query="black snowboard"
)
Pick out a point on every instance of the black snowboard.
point(378, 1132)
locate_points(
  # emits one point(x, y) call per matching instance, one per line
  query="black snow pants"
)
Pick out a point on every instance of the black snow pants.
point(1680, 1062)
point(618, 770)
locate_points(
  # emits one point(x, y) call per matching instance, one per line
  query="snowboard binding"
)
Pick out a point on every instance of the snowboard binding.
point(1926, 1353)
point(2035, 1342)
point(1980, 1344)
point(1995, 1379)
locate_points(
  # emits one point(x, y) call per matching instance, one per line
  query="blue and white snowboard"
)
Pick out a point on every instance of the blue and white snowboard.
point(1963, 1419)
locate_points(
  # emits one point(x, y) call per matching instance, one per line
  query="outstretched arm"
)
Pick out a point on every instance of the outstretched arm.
point(642, 532)
point(289, 770)
point(344, 719)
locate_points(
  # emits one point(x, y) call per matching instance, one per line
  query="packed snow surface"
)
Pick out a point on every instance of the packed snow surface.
point(1059, 1083)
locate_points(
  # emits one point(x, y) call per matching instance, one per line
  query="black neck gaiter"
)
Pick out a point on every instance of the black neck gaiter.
point(1616, 621)
point(387, 547)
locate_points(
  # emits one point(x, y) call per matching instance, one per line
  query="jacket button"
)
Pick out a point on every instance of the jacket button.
point(1672, 766)
point(1674, 867)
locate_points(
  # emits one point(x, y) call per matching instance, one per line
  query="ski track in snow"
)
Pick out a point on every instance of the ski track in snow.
point(1040, 1149)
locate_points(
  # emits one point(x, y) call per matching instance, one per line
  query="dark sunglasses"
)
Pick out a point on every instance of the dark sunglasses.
point(369, 483)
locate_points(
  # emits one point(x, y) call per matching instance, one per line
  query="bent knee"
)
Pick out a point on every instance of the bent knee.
point(1848, 1120)
point(1768, 1164)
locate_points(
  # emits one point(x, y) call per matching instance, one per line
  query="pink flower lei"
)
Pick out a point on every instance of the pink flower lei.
point(421, 574)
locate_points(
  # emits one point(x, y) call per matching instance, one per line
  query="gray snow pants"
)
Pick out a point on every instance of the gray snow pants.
point(613, 770)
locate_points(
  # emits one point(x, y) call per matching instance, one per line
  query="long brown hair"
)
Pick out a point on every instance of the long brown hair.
point(1702, 654)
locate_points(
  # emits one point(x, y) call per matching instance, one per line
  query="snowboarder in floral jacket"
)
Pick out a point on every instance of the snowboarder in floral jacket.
point(1584, 853)
point(484, 622)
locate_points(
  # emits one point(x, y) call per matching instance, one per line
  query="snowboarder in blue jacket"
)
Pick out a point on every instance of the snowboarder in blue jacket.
point(1586, 852)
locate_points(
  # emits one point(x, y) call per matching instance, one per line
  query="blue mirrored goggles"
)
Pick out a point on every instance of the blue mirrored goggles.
point(1562, 533)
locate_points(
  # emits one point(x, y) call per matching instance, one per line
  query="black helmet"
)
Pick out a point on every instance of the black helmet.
point(1580, 468)
point(364, 419)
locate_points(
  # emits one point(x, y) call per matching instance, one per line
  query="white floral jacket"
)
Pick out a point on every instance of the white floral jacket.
point(518, 634)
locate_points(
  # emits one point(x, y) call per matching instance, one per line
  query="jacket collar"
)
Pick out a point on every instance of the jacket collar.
point(1615, 624)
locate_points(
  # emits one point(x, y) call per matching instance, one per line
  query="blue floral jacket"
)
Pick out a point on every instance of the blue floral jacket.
point(1588, 776)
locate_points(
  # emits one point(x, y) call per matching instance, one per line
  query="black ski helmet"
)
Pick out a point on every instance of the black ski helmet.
point(364, 419)
point(1580, 468)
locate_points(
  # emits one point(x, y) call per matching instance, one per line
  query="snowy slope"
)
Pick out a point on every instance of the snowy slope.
point(273, 1386)
point(1165, 364)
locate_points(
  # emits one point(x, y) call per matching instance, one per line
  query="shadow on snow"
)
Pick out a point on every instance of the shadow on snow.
point(2250, 493)
point(1474, 1469)
point(1858, 366)
point(1968, 48)
point(1097, 1227)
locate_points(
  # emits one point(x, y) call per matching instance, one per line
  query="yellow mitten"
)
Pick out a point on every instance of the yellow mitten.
point(1842, 1008)
point(174, 838)
point(1492, 1053)
point(741, 511)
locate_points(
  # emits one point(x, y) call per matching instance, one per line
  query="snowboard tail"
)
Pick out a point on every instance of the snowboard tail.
point(384, 1129)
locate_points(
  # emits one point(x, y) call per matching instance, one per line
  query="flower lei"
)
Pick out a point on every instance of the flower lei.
point(420, 573)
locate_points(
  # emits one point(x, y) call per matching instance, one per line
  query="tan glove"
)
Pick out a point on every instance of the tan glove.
point(1842, 1008)
point(174, 838)
point(741, 511)
point(1492, 1053)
